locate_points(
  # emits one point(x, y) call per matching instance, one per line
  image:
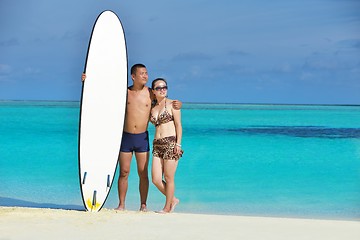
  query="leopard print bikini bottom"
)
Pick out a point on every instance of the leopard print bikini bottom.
point(164, 148)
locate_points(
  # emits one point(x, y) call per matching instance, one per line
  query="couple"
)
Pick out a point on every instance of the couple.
point(144, 104)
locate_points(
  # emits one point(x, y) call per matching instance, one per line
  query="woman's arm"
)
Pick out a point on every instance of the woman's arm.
point(178, 128)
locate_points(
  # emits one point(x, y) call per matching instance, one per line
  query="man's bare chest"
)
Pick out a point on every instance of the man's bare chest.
point(136, 100)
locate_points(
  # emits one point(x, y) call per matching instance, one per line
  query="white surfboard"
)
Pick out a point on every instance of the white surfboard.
point(102, 113)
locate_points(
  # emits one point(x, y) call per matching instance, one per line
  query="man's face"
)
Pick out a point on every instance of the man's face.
point(141, 76)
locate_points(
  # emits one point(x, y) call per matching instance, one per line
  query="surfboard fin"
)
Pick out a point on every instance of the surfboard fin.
point(84, 178)
point(108, 181)
point(94, 199)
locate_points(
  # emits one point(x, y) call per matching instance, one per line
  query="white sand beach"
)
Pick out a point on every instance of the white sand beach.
point(38, 223)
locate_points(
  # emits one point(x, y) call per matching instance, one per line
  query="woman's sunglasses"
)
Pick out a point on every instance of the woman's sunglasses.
point(161, 88)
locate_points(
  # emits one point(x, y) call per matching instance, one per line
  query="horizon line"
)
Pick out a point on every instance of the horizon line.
point(238, 103)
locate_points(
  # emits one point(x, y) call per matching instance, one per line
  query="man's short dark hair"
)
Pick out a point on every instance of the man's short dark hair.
point(136, 66)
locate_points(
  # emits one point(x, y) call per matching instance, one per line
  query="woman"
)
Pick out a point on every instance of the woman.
point(167, 143)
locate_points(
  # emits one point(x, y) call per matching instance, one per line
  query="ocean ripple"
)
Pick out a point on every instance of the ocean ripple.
point(301, 131)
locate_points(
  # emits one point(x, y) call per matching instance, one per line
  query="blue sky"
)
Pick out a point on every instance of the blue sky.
point(229, 51)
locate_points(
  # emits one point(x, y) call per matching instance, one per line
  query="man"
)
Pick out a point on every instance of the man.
point(135, 135)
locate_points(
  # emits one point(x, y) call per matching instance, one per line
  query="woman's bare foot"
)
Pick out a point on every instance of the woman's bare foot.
point(162, 212)
point(174, 203)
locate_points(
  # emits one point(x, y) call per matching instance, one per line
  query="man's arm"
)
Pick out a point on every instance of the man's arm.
point(177, 104)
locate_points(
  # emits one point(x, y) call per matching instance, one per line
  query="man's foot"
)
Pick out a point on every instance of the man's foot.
point(143, 208)
point(174, 203)
point(120, 208)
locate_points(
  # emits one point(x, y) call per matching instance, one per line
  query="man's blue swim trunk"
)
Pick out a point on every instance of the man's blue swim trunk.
point(138, 142)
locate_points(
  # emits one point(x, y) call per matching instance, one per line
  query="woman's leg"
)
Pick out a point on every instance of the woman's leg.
point(169, 175)
point(157, 174)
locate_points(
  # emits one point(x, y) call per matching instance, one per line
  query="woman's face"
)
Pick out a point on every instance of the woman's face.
point(160, 89)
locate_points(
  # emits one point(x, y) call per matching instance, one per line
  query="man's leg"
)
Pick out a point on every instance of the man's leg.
point(124, 162)
point(142, 161)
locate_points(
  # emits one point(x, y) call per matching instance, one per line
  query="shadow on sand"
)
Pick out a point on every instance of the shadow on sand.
point(12, 202)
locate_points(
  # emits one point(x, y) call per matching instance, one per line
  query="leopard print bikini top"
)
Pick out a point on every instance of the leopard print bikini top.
point(162, 118)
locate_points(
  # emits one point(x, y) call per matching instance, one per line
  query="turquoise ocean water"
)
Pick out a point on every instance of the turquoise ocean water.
point(262, 160)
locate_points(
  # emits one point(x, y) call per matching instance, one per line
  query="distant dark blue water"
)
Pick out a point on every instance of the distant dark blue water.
point(265, 160)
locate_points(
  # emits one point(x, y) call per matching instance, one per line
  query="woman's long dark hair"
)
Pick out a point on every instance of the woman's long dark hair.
point(158, 79)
